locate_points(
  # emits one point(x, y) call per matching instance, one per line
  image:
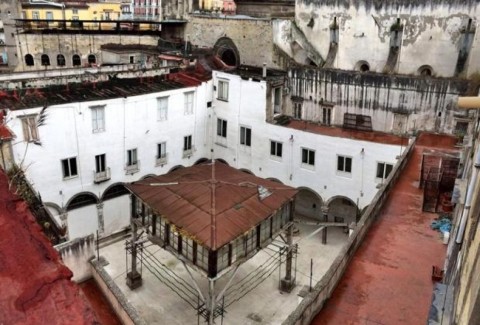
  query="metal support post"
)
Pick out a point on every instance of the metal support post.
point(211, 301)
point(134, 279)
point(325, 219)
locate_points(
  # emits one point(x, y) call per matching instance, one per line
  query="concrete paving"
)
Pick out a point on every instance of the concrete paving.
point(265, 304)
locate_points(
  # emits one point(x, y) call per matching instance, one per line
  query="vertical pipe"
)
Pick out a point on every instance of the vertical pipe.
point(311, 273)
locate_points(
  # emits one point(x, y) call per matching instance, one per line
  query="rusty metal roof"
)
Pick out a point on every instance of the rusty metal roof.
point(212, 203)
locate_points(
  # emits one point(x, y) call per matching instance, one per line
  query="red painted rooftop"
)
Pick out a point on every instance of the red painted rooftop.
point(5, 133)
point(371, 136)
point(35, 286)
point(389, 279)
point(184, 198)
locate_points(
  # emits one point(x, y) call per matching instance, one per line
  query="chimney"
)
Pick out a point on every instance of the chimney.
point(264, 71)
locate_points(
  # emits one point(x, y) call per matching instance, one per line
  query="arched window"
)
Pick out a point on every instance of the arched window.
point(425, 70)
point(60, 60)
point(29, 60)
point(362, 66)
point(45, 59)
point(92, 59)
point(76, 60)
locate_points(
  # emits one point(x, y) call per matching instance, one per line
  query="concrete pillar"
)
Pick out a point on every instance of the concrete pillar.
point(211, 301)
point(288, 283)
point(101, 223)
point(134, 278)
point(325, 219)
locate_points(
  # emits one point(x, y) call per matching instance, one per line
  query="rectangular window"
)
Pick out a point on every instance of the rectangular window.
point(162, 108)
point(221, 128)
point(245, 136)
point(383, 170)
point(35, 15)
point(189, 103)
point(75, 11)
point(98, 118)
point(30, 130)
point(222, 90)
point(344, 164)
point(308, 157)
point(49, 15)
point(132, 59)
point(187, 143)
point(161, 158)
point(297, 111)
point(326, 116)
point(100, 163)
point(277, 101)
point(132, 157)
point(69, 167)
point(276, 149)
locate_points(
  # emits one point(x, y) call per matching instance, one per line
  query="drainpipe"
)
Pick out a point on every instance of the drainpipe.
point(468, 200)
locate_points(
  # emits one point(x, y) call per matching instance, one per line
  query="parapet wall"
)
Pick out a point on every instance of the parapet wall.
point(76, 255)
point(417, 102)
point(314, 301)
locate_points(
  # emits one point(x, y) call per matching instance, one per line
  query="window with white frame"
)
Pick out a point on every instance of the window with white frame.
point(100, 163)
point(383, 170)
point(162, 108)
point(189, 103)
point(30, 130)
point(276, 149)
point(245, 136)
point(187, 146)
point(35, 15)
point(222, 128)
point(69, 167)
point(161, 153)
point(222, 90)
point(132, 158)
point(344, 164)
point(98, 118)
point(308, 157)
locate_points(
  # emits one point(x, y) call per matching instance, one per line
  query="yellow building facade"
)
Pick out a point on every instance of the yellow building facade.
point(72, 11)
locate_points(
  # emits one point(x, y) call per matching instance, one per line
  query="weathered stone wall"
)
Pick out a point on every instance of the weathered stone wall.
point(431, 33)
point(426, 103)
point(68, 45)
point(266, 8)
point(76, 254)
point(252, 37)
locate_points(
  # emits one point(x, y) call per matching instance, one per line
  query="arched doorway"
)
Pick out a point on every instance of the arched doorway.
point(227, 51)
point(174, 168)
point(308, 204)
point(202, 161)
point(220, 160)
point(342, 209)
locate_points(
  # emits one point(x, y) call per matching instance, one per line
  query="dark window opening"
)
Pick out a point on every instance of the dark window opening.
point(229, 57)
point(76, 60)
point(60, 60)
point(45, 60)
point(29, 60)
point(92, 59)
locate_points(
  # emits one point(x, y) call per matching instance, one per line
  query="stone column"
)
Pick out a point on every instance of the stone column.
point(134, 278)
point(325, 219)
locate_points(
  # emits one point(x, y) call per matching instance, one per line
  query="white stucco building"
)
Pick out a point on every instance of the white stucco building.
point(79, 145)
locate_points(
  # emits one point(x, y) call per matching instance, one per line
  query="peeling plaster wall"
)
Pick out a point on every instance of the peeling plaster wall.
point(76, 255)
point(68, 45)
point(431, 34)
point(253, 37)
point(428, 102)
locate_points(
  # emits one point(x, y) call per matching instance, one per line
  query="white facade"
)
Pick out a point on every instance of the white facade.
point(245, 107)
point(432, 33)
point(129, 123)
point(82, 198)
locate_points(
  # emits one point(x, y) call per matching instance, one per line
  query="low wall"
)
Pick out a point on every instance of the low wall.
point(123, 309)
point(76, 254)
point(313, 303)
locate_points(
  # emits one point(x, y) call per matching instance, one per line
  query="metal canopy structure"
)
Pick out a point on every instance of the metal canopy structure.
point(212, 217)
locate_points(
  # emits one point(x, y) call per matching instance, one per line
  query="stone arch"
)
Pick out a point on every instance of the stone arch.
point(29, 60)
point(227, 51)
point(60, 60)
point(220, 160)
point(425, 70)
point(174, 168)
point(76, 60)
point(276, 180)
point(80, 200)
point(308, 203)
point(45, 59)
point(54, 206)
point(114, 190)
point(147, 176)
point(202, 161)
point(342, 209)
point(246, 171)
point(362, 66)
